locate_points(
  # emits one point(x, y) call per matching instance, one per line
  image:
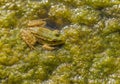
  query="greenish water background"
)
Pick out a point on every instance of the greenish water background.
point(90, 55)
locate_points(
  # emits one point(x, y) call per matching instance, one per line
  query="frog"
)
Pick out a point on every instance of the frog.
point(37, 32)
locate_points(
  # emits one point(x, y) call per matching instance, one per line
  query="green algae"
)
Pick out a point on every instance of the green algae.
point(102, 4)
point(90, 55)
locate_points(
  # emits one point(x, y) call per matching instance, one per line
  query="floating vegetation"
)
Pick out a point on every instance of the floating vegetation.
point(90, 53)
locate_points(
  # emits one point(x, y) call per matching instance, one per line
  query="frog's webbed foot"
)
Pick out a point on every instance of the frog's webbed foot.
point(47, 47)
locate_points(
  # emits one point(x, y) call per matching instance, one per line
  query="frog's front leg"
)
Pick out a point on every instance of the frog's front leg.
point(47, 47)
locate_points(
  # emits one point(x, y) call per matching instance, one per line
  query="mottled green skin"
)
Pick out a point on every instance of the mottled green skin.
point(90, 55)
point(47, 36)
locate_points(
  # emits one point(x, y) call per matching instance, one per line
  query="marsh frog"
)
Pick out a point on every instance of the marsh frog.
point(38, 33)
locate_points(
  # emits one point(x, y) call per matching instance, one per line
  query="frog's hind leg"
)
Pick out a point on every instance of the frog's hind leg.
point(29, 39)
point(31, 46)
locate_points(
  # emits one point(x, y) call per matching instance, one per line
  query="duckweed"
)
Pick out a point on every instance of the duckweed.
point(91, 51)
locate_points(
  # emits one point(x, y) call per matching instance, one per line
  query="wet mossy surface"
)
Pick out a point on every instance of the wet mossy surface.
point(90, 54)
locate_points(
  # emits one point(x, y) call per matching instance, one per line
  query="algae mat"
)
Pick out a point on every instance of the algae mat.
point(90, 53)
